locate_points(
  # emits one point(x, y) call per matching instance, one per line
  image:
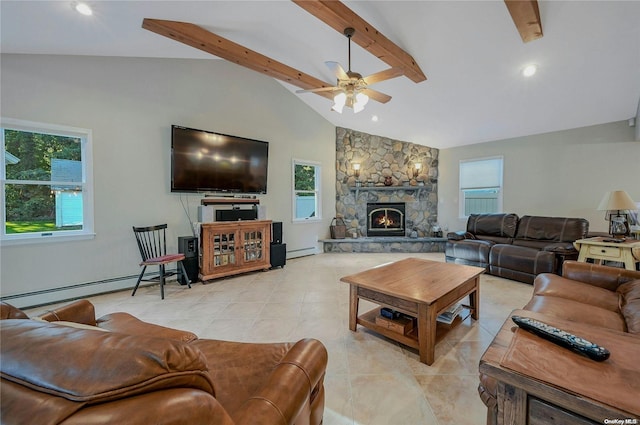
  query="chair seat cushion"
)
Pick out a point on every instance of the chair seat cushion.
point(164, 259)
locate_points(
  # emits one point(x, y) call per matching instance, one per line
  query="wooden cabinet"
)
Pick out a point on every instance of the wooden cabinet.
point(228, 248)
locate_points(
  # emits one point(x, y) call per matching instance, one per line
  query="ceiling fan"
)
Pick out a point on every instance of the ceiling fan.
point(353, 89)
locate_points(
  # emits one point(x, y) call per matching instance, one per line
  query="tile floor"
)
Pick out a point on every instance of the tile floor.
point(370, 379)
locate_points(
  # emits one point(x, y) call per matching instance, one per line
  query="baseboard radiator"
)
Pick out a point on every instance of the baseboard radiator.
point(302, 252)
point(78, 291)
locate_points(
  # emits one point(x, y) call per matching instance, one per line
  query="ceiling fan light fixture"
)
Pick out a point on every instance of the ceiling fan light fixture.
point(361, 99)
point(339, 101)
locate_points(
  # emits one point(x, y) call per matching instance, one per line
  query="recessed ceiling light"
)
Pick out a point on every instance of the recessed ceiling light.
point(374, 118)
point(529, 70)
point(82, 8)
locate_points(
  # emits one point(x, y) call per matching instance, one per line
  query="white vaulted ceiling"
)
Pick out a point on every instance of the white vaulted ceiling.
point(588, 59)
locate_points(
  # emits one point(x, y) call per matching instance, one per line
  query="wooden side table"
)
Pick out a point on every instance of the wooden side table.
point(598, 249)
point(556, 386)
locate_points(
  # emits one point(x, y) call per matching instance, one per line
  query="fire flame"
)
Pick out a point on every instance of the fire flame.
point(385, 221)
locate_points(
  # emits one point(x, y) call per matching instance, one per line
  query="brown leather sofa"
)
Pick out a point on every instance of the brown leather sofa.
point(70, 368)
point(599, 296)
point(516, 248)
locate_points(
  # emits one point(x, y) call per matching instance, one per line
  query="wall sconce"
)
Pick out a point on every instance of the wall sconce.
point(356, 170)
point(619, 222)
point(416, 169)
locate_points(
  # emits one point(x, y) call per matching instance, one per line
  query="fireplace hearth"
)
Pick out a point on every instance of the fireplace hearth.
point(386, 219)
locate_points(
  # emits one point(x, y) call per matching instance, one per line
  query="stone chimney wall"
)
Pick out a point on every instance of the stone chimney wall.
point(381, 157)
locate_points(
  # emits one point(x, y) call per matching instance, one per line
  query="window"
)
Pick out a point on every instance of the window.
point(306, 190)
point(46, 184)
point(480, 186)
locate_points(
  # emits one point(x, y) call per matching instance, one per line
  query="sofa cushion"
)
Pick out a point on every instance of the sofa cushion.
point(89, 367)
point(499, 225)
point(556, 229)
point(551, 285)
point(630, 304)
point(240, 369)
point(576, 311)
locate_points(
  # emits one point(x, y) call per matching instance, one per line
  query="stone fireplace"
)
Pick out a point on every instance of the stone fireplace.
point(382, 159)
point(385, 219)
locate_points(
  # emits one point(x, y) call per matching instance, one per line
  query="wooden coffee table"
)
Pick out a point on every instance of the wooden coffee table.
point(419, 288)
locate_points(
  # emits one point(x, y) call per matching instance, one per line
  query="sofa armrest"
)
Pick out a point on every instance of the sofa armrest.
point(562, 248)
point(131, 325)
point(7, 311)
point(81, 311)
point(294, 383)
point(602, 276)
point(460, 235)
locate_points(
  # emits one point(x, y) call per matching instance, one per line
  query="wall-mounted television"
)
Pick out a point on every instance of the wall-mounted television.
point(204, 161)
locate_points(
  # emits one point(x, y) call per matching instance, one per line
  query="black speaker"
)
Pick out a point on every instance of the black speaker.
point(235, 215)
point(188, 245)
point(191, 266)
point(276, 232)
point(278, 254)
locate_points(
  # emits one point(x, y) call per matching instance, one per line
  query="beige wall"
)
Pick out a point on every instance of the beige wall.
point(130, 104)
point(564, 173)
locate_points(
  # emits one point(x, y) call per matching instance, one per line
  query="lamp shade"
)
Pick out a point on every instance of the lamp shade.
point(616, 200)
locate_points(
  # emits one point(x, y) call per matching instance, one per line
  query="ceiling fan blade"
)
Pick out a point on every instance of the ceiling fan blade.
point(383, 75)
point(337, 69)
point(376, 95)
point(320, 89)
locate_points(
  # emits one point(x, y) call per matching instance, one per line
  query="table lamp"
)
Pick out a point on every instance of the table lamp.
point(617, 200)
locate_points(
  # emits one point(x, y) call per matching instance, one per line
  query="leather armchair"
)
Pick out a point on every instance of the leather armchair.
point(585, 293)
point(71, 368)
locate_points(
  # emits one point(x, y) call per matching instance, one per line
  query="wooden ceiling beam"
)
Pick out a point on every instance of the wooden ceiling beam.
point(338, 16)
point(526, 16)
point(202, 39)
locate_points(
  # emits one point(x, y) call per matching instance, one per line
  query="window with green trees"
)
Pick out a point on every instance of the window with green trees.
point(306, 190)
point(44, 188)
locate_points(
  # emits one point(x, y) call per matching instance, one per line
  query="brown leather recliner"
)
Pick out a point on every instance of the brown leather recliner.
point(472, 247)
point(516, 248)
point(599, 296)
point(69, 368)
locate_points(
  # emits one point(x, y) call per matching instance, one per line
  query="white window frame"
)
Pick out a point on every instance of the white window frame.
point(317, 192)
point(497, 185)
point(85, 136)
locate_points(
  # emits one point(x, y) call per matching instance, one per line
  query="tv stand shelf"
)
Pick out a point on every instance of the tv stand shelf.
point(229, 201)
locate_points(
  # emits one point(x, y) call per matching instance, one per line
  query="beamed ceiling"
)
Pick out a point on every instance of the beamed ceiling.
point(461, 61)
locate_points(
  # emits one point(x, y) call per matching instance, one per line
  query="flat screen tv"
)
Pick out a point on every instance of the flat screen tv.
point(203, 161)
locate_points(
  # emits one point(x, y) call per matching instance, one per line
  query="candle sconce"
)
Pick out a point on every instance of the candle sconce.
point(416, 169)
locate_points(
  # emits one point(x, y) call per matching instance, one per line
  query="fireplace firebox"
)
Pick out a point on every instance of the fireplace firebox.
point(385, 219)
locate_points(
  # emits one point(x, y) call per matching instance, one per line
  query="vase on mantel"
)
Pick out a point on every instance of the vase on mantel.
point(388, 181)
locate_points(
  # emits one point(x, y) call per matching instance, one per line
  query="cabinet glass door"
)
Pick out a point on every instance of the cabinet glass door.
point(224, 249)
point(252, 245)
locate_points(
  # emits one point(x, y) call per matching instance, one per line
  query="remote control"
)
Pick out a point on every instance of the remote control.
point(562, 338)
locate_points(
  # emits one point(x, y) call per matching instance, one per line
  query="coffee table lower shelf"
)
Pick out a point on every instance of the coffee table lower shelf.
point(368, 320)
